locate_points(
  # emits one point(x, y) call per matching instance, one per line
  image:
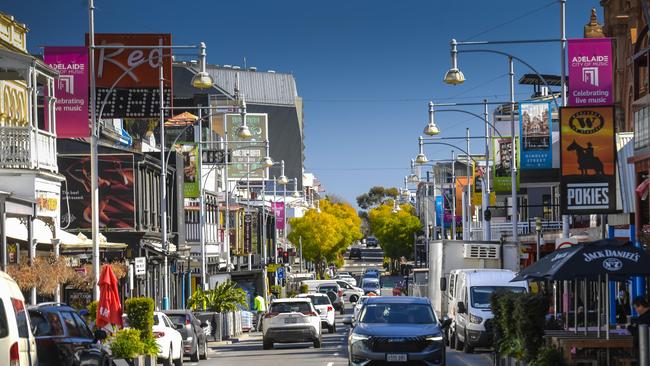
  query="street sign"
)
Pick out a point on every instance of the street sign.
point(140, 266)
point(280, 273)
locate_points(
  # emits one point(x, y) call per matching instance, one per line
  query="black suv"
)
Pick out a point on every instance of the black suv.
point(195, 343)
point(64, 338)
point(355, 253)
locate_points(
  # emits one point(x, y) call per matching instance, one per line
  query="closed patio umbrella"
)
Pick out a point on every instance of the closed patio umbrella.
point(109, 309)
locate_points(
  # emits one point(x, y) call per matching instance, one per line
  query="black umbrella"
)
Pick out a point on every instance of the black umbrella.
point(590, 260)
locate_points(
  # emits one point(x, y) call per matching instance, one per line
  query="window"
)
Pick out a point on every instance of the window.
point(71, 324)
point(46, 324)
point(481, 295)
point(156, 319)
point(21, 318)
point(178, 318)
point(320, 300)
point(397, 314)
point(291, 307)
point(642, 128)
point(83, 327)
point(4, 327)
point(168, 323)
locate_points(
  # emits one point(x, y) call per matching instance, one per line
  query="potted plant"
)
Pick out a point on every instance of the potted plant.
point(126, 345)
point(139, 311)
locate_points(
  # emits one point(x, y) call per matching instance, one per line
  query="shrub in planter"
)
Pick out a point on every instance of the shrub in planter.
point(149, 346)
point(529, 319)
point(140, 314)
point(126, 344)
point(549, 356)
point(503, 330)
point(276, 290)
point(92, 311)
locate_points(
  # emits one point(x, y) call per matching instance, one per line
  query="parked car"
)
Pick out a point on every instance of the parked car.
point(169, 339)
point(355, 253)
point(17, 343)
point(401, 329)
point(195, 343)
point(324, 308)
point(371, 285)
point(468, 304)
point(64, 338)
point(291, 320)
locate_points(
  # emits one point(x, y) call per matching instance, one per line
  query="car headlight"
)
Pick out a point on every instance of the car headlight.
point(434, 338)
point(475, 319)
point(189, 339)
point(356, 337)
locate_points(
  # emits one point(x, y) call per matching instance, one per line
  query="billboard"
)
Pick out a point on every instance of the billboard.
point(501, 173)
point(590, 71)
point(246, 155)
point(116, 191)
point(134, 73)
point(536, 143)
point(588, 160)
point(70, 90)
point(191, 170)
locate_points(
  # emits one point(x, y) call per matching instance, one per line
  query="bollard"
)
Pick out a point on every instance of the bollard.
point(643, 345)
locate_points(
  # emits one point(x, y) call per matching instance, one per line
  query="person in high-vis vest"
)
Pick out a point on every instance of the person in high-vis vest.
point(259, 306)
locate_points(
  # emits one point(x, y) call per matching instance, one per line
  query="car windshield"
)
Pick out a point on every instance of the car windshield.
point(326, 289)
point(45, 324)
point(481, 295)
point(290, 307)
point(370, 284)
point(320, 300)
point(177, 318)
point(392, 313)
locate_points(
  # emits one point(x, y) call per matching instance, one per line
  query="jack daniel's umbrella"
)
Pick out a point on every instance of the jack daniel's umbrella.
point(589, 260)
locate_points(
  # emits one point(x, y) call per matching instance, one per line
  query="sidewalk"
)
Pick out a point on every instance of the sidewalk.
point(237, 339)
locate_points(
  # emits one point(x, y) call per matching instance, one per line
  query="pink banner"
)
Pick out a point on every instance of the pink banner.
point(71, 89)
point(590, 72)
point(278, 210)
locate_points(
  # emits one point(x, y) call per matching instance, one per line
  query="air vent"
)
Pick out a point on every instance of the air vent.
point(481, 251)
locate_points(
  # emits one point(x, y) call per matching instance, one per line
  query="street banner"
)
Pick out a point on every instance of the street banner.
point(70, 90)
point(246, 155)
point(535, 121)
point(590, 71)
point(501, 173)
point(116, 191)
point(278, 212)
point(588, 160)
point(248, 233)
point(133, 74)
point(448, 209)
point(191, 170)
point(477, 185)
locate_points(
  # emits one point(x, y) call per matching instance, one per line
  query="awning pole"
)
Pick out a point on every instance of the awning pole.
point(585, 303)
point(575, 308)
point(607, 306)
point(600, 300)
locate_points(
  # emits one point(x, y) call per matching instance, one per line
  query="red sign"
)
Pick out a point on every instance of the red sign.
point(128, 79)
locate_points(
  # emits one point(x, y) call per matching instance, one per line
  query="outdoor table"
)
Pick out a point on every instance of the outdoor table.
point(568, 341)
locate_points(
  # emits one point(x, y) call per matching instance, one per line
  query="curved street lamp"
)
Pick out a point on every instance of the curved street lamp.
point(431, 129)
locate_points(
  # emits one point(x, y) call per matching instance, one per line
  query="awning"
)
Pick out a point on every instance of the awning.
point(42, 232)
point(83, 242)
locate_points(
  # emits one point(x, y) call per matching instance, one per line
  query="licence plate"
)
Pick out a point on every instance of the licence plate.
point(396, 357)
point(290, 320)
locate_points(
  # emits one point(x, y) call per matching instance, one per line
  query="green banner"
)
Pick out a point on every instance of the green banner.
point(501, 173)
point(191, 170)
point(245, 156)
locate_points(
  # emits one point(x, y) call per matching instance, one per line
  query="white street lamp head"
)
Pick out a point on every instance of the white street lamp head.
point(421, 159)
point(266, 162)
point(283, 180)
point(405, 193)
point(431, 129)
point(244, 132)
point(202, 80)
point(454, 76)
point(413, 178)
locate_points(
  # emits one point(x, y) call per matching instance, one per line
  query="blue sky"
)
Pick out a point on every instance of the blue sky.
point(365, 68)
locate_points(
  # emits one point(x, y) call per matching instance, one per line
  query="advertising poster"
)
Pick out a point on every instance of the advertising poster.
point(245, 157)
point(590, 71)
point(278, 212)
point(501, 173)
point(70, 90)
point(588, 160)
point(191, 170)
point(535, 121)
point(116, 191)
point(447, 212)
point(137, 93)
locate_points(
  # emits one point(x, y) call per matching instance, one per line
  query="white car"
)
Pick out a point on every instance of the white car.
point(170, 341)
point(17, 343)
point(358, 307)
point(325, 308)
point(347, 278)
point(291, 320)
point(351, 293)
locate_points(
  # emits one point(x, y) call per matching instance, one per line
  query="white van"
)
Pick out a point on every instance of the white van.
point(17, 343)
point(468, 295)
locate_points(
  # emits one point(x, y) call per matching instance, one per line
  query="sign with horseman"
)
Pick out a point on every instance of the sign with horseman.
point(588, 160)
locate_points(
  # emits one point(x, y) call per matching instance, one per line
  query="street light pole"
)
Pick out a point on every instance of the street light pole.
point(163, 190)
point(453, 195)
point(513, 150)
point(204, 282)
point(487, 230)
point(468, 211)
point(565, 218)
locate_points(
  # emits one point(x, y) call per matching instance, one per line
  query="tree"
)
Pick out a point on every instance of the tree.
point(377, 195)
point(394, 230)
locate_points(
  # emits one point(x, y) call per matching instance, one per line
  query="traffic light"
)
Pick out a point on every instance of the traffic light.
point(285, 257)
point(487, 215)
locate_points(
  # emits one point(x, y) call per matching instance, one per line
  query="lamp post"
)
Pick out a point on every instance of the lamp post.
point(454, 77)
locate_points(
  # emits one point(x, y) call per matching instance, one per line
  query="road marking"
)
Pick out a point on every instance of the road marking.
point(336, 354)
point(330, 363)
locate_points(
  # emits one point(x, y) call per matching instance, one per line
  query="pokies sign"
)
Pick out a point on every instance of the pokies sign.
point(588, 160)
point(133, 73)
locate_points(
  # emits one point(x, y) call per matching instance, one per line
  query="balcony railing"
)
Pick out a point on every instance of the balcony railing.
point(25, 147)
point(213, 234)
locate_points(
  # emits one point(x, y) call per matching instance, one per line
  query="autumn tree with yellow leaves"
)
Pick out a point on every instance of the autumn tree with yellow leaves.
point(394, 230)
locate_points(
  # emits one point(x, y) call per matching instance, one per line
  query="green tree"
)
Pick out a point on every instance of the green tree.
point(320, 233)
point(377, 195)
point(394, 230)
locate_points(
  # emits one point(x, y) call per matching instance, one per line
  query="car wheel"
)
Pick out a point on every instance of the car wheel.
point(195, 355)
point(267, 344)
point(168, 361)
point(467, 348)
point(354, 298)
point(459, 345)
point(204, 355)
point(318, 343)
point(179, 361)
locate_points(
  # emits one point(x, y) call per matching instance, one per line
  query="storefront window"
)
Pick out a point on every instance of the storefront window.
point(641, 128)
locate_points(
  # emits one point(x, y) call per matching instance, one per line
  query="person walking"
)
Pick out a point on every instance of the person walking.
point(259, 306)
point(642, 308)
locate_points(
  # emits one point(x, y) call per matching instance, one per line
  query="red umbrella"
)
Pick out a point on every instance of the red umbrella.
point(109, 309)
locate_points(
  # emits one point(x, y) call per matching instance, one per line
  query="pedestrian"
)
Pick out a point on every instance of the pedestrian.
point(641, 306)
point(259, 306)
point(622, 307)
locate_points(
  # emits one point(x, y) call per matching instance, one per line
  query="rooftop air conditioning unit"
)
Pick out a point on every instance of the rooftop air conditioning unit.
point(481, 251)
